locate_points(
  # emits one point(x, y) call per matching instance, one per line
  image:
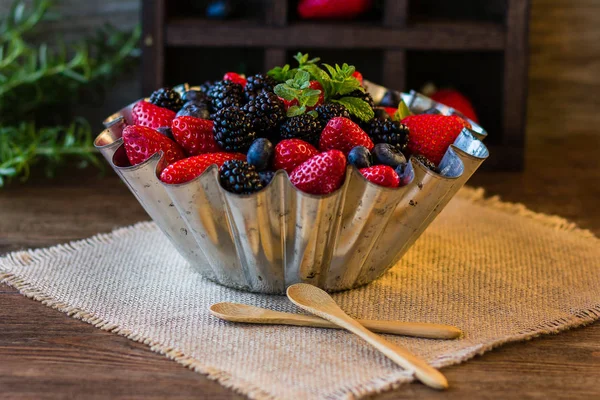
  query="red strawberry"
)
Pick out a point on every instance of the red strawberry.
point(342, 134)
point(458, 101)
point(332, 8)
point(432, 134)
point(290, 153)
point(150, 115)
point(189, 168)
point(195, 135)
point(381, 175)
point(235, 78)
point(317, 86)
point(320, 174)
point(358, 76)
point(142, 142)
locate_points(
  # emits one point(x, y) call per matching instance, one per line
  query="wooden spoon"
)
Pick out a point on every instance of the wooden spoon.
point(255, 315)
point(318, 302)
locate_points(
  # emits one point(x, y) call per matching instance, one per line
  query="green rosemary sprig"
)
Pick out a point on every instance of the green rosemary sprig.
point(40, 83)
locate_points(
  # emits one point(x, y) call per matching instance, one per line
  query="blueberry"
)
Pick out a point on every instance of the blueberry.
point(193, 110)
point(385, 154)
point(390, 99)
point(194, 95)
point(360, 157)
point(405, 173)
point(260, 154)
point(266, 177)
point(165, 131)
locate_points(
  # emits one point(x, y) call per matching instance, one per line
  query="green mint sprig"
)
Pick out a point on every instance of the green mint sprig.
point(298, 88)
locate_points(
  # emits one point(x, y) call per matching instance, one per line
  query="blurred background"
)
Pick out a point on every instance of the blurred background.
point(530, 68)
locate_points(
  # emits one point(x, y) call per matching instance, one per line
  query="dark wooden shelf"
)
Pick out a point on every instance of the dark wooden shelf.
point(421, 36)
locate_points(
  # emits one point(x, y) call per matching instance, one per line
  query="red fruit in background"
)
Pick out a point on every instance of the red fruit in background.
point(458, 101)
point(382, 175)
point(342, 134)
point(290, 153)
point(150, 115)
point(432, 134)
point(390, 111)
point(142, 142)
point(321, 174)
point(189, 168)
point(358, 76)
point(235, 78)
point(342, 9)
point(195, 135)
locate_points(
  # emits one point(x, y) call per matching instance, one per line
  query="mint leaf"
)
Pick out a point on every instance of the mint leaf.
point(313, 114)
point(332, 71)
point(282, 74)
point(303, 59)
point(357, 107)
point(402, 112)
point(286, 92)
point(302, 78)
point(295, 110)
point(349, 86)
point(320, 76)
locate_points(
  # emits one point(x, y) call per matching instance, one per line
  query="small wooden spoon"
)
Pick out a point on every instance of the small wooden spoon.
point(255, 315)
point(318, 302)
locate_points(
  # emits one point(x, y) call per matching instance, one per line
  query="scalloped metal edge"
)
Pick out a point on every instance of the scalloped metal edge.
point(268, 240)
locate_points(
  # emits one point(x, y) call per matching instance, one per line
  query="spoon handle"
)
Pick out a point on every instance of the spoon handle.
point(401, 356)
point(257, 315)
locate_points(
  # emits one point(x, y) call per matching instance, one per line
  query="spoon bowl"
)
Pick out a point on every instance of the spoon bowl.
point(317, 301)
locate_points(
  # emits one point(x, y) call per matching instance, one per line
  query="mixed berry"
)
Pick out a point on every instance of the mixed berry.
point(311, 121)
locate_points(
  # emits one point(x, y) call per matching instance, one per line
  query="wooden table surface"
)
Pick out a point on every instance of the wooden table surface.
point(45, 354)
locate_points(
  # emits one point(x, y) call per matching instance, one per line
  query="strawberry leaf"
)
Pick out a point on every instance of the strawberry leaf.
point(402, 112)
point(357, 107)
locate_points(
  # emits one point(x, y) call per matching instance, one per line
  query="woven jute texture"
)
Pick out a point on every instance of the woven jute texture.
point(496, 270)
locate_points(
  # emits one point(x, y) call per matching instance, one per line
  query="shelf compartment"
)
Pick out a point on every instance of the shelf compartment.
point(422, 35)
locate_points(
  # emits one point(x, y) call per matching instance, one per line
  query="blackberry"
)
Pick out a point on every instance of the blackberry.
point(167, 98)
point(256, 84)
point(266, 112)
point(233, 130)
point(380, 113)
point(427, 162)
point(304, 127)
point(225, 94)
point(331, 110)
point(387, 131)
point(239, 177)
point(205, 87)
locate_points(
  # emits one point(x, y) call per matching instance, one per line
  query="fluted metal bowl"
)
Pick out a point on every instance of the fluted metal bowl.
point(266, 241)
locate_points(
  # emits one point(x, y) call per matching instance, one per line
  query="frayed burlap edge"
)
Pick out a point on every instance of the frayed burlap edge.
point(474, 195)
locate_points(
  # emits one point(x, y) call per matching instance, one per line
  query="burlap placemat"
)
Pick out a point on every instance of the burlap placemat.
point(498, 271)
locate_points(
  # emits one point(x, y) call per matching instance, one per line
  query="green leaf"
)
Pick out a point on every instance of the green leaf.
point(402, 112)
point(313, 114)
point(282, 74)
point(357, 107)
point(348, 86)
point(295, 110)
point(301, 78)
point(332, 71)
point(285, 91)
